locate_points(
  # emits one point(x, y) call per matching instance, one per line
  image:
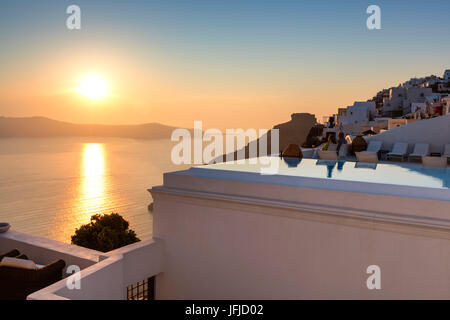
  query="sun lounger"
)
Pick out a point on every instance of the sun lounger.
point(332, 147)
point(327, 155)
point(434, 162)
point(420, 150)
point(374, 147)
point(446, 153)
point(368, 157)
point(399, 151)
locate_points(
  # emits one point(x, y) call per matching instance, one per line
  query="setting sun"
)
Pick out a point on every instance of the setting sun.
point(93, 87)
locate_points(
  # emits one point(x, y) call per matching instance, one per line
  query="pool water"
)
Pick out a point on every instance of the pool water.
point(391, 174)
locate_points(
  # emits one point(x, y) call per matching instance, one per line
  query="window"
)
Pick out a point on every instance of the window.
point(143, 290)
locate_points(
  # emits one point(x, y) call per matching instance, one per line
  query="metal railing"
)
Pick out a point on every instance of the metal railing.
point(143, 290)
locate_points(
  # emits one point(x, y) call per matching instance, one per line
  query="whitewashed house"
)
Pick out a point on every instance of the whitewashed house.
point(400, 99)
point(359, 112)
point(447, 75)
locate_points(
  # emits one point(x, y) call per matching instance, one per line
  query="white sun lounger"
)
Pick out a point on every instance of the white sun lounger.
point(420, 150)
point(446, 153)
point(367, 157)
point(374, 147)
point(332, 147)
point(399, 151)
point(327, 155)
point(434, 162)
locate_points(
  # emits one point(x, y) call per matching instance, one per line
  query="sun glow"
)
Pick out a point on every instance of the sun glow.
point(93, 87)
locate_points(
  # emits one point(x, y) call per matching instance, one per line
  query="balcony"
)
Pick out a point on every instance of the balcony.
point(102, 275)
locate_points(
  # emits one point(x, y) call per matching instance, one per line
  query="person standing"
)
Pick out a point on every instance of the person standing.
point(341, 141)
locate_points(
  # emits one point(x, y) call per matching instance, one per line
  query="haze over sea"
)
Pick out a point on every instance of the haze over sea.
point(51, 186)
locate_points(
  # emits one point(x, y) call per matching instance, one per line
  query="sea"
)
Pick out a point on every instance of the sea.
point(51, 186)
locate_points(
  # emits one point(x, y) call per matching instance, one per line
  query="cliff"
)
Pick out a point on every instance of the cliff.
point(294, 131)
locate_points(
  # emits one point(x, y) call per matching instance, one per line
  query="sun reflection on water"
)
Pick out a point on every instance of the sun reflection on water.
point(93, 181)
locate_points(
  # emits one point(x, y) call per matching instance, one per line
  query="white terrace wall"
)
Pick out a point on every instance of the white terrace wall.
point(44, 251)
point(216, 252)
point(103, 281)
point(315, 244)
point(108, 279)
point(435, 131)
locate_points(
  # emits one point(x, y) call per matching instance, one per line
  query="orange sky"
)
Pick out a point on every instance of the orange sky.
point(146, 91)
point(178, 63)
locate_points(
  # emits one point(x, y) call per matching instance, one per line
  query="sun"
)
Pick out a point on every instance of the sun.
point(93, 87)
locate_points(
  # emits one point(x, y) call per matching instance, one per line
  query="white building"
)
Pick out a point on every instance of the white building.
point(400, 99)
point(447, 75)
point(359, 112)
point(418, 106)
point(446, 103)
point(414, 82)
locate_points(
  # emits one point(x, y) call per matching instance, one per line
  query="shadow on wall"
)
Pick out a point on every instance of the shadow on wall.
point(435, 132)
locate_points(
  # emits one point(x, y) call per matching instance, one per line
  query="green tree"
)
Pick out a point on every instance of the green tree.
point(104, 233)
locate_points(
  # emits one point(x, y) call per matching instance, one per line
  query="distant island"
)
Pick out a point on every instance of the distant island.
point(39, 127)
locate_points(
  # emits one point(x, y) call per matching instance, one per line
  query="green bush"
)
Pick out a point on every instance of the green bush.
point(104, 233)
point(316, 141)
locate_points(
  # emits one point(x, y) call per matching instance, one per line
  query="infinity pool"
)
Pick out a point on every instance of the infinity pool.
point(403, 179)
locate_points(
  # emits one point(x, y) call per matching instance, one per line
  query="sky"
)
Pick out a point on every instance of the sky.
point(230, 64)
